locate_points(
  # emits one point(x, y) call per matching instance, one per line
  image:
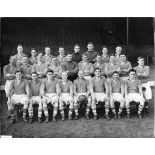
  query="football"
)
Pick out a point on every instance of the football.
point(82, 98)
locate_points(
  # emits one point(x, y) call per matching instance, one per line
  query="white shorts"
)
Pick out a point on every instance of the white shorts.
point(148, 92)
point(66, 97)
point(35, 99)
point(7, 86)
point(117, 97)
point(100, 97)
point(51, 98)
point(151, 83)
point(79, 94)
point(19, 99)
point(134, 97)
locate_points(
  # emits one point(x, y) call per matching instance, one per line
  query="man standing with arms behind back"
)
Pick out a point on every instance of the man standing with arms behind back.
point(47, 57)
point(91, 52)
point(19, 56)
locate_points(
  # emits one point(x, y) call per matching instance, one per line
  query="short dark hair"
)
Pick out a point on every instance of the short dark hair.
point(49, 71)
point(98, 54)
point(34, 73)
point(25, 55)
point(54, 57)
point(33, 49)
point(132, 70)
point(97, 68)
point(69, 53)
point(85, 54)
point(115, 72)
point(20, 45)
point(140, 58)
point(122, 54)
point(90, 43)
point(104, 47)
point(112, 54)
point(17, 71)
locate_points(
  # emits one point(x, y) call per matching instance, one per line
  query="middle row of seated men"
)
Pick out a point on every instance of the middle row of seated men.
point(72, 68)
point(60, 92)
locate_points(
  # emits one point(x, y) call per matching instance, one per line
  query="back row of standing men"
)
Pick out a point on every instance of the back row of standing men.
point(87, 63)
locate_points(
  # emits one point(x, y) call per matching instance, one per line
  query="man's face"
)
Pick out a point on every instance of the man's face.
point(47, 50)
point(40, 56)
point(90, 47)
point(20, 49)
point(12, 61)
point(69, 57)
point(80, 74)
point(33, 53)
point(141, 62)
point(115, 76)
point(76, 49)
point(85, 58)
point(64, 76)
point(34, 77)
point(25, 60)
point(61, 51)
point(112, 59)
point(54, 60)
point(18, 75)
point(105, 51)
point(118, 50)
point(122, 57)
point(49, 75)
point(132, 75)
point(97, 73)
point(98, 58)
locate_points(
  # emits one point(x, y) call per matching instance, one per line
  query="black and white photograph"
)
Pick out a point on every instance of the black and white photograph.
point(77, 77)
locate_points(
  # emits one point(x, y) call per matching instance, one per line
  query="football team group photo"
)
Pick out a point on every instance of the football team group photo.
point(77, 77)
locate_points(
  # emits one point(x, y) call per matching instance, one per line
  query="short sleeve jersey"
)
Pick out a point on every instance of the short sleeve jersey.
point(81, 85)
point(116, 85)
point(98, 86)
point(50, 87)
point(132, 87)
point(35, 88)
point(21, 87)
point(65, 88)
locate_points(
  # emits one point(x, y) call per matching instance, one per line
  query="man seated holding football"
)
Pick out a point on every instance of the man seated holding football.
point(81, 94)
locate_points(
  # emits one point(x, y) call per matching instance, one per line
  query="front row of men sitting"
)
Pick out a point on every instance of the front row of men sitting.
point(64, 92)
